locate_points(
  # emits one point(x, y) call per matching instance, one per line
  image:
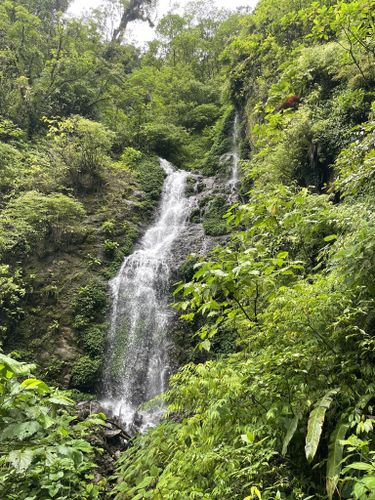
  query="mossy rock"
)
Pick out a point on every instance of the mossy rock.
point(85, 374)
point(213, 222)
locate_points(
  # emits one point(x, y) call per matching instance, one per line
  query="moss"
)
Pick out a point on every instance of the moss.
point(222, 144)
point(214, 211)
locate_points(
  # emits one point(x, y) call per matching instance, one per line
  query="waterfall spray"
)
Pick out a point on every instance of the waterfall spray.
point(235, 153)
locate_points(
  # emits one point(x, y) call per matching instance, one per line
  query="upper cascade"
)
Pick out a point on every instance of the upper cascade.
point(138, 363)
point(235, 154)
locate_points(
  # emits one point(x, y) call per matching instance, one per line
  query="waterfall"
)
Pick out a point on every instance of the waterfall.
point(138, 346)
point(235, 153)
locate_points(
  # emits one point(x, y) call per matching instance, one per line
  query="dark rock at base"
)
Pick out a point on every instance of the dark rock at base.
point(112, 439)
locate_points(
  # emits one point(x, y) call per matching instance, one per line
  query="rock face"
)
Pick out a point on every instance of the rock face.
point(193, 239)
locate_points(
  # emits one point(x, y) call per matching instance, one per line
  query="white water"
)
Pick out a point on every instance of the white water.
point(235, 154)
point(137, 364)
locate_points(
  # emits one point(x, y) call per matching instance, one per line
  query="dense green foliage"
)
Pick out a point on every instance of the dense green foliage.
point(287, 412)
point(278, 398)
point(44, 449)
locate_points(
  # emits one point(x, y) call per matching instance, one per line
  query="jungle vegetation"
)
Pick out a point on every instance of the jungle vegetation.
point(277, 401)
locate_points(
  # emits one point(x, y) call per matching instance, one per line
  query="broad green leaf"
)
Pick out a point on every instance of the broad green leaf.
point(33, 383)
point(20, 431)
point(315, 424)
point(255, 493)
point(14, 366)
point(219, 273)
point(282, 255)
point(145, 482)
point(361, 466)
point(248, 438)
point(206, 345)
point(290, 433)
point(331, 237)
point(61, 400)
point(369, 482)
point(335, 453)
point(21, 459)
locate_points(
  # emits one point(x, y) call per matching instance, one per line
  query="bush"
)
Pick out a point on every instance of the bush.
point(150, 176)
point(201, 116)
point(131, 157)
point(10, 166)
point(223, 131)
point(108, 227)
point(93, 340)
point(166, 140)
point(85, 374)
point(9, 132)
point(12, 291)
point(90, 302)
point(32, 219)
point(110, 248)
point(82, 147)
point(213, 222)
point(44, 452)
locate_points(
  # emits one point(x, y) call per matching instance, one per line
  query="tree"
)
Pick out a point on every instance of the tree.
point(133, 10)
point(82, 147)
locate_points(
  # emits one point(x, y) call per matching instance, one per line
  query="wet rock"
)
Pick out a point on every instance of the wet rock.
point(87, 408)
point(112, 434)
point(114, 425)
point(112, 439)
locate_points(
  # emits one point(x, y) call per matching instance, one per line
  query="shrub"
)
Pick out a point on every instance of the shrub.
point(213, 222)
point(166, 140)
point(150, 177)
point(110, 248)
point(223, 131)
point(10, 166)
point(44, 452)
point(131, 157)
point(90, 302)
point(12, 291)
point(82, 147)
point(9, 132)
point(201, 116)
point(85, 374)
point(32, 219)
point(93, 340)
point(108, 227)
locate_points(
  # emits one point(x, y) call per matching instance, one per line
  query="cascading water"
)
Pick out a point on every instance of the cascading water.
point(138, 364)
point(235, 153)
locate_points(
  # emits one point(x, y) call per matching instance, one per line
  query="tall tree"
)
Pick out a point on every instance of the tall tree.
point(133, 10)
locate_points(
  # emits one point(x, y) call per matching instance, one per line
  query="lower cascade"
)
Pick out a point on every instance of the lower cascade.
point(138, 364)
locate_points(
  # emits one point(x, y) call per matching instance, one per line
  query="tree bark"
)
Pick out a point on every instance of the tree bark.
point(136, 10)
